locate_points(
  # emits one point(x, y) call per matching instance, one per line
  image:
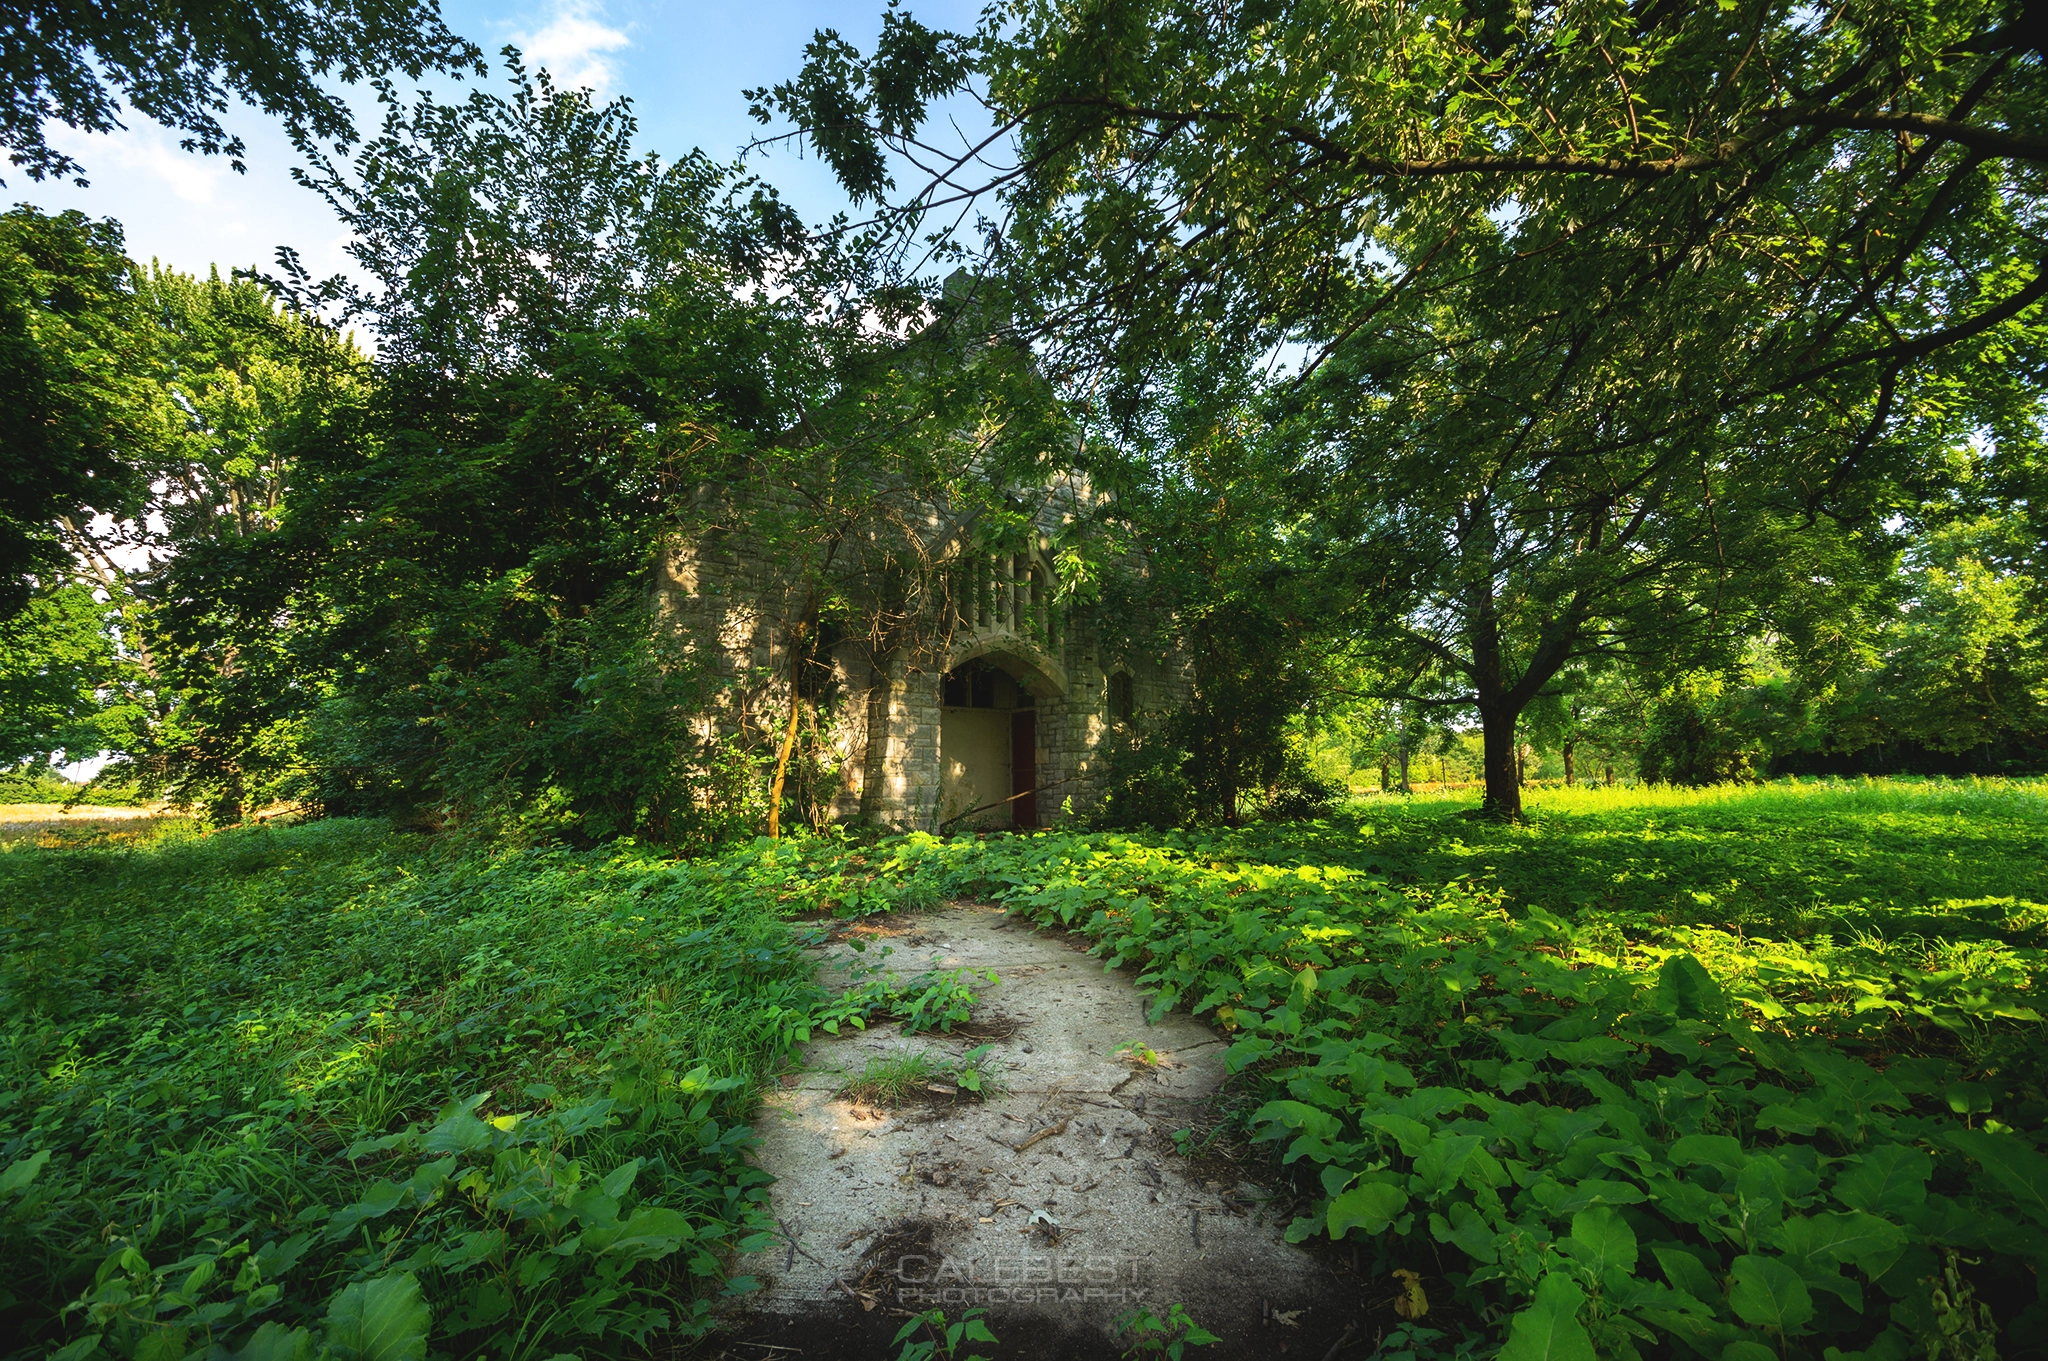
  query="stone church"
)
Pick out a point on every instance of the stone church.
point(980, 699)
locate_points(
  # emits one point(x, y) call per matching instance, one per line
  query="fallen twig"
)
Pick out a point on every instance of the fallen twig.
point(1046, 1133)
point(789, 1237)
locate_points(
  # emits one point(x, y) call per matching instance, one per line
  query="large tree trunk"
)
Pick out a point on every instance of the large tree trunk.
point(1503, 788)
point(1404, 770)
point(1568, 746)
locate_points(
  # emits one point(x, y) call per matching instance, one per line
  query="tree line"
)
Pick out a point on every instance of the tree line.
point(1651, 379)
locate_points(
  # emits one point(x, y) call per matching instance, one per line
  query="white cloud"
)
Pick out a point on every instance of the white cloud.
point(148, 153)
point(573, 44)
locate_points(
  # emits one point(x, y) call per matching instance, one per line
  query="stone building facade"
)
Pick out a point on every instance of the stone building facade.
point(978, 700)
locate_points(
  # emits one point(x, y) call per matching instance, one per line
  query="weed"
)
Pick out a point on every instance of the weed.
point(937, 999)
point(894, 1080)
point(891, 1080)
point(942, 1340)
point(274, 1082)
point(1139, 1053)
point(1170, 1337)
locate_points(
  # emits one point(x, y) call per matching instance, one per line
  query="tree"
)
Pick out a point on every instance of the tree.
point(586, 358)
point(178, 62)
point(78, 413)
point(1593, 304)
point(64, 683)
point(1965, 661)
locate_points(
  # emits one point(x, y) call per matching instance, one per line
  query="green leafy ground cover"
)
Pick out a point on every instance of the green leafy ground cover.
point(1715, 1075)
point(1633, 1128)
point(264, 1086)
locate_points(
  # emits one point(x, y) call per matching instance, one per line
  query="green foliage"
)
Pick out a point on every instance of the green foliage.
point(62, 678)
point(39, 784)
point(179, 63)
point(936, 999)
point(895, 1079)
point(1169, 1337)
point(77, 409)
point(1617, 1132)
point(587, 733)
point(257, 1082)
point(942, 1340)
point(1696, 735)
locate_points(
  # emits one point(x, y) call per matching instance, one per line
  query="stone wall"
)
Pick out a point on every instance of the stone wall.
point(737, 604)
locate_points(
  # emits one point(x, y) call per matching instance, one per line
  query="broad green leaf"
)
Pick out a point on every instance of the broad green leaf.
point(23, 1171)
point(470, 1249)
point(1442, 1163)
point(1748, 1351)
point(162, 1344)
point(1411, 1134)
point(621, 1179)
point(1889, 1345)
point(1686, 1272)
point(651, 1232)
point(1601, 1238)
point(1549, 1329)
point(1561, 1199)
point(380, 1320)
point(1467, 1229)
point(2011, 1162)
point(1302, 1116)
point(1559, 1130)
point(1854, 1082)
point(460, 1133)
point(1371, 1207)
point(275, 1342)
point(1248, 1050)
point(1711, 1150)
point(1855, 1239)
point(594, 1208)
point(1686, 990)
point(1769, 1294)
point(1891, 1179)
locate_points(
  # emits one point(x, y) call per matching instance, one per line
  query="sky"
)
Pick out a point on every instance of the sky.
point(682, 65)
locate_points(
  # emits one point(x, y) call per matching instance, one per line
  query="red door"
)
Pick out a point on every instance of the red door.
point(1024, 766)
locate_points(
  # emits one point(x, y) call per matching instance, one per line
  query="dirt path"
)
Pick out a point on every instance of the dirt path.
point(1060, 1206)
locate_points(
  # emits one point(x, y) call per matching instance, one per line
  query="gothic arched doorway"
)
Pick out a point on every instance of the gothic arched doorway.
point(988, 747)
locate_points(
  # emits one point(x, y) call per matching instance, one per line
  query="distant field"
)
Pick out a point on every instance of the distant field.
point(1789, 857)
point(52, 825)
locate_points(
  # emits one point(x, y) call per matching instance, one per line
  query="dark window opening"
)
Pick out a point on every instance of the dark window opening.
point(980, 685)
point(1123, 702)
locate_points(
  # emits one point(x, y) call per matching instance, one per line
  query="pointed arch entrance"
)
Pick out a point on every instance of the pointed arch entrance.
point(988, 743)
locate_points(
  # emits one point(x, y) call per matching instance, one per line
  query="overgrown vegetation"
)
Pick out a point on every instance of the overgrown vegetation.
point(1631, 1125)
point(249, 1074)
point(1706, 1070)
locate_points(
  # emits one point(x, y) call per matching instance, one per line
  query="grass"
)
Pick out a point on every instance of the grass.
point(264, 1067)
point(1798, 858)
point(891, 1081)
point(1743, 1047)
point(1740, 1074)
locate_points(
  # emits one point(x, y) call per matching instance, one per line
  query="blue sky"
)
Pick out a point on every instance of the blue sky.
point(682, 65)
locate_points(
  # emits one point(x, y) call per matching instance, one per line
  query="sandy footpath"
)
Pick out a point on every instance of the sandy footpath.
point(1060, 1206)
